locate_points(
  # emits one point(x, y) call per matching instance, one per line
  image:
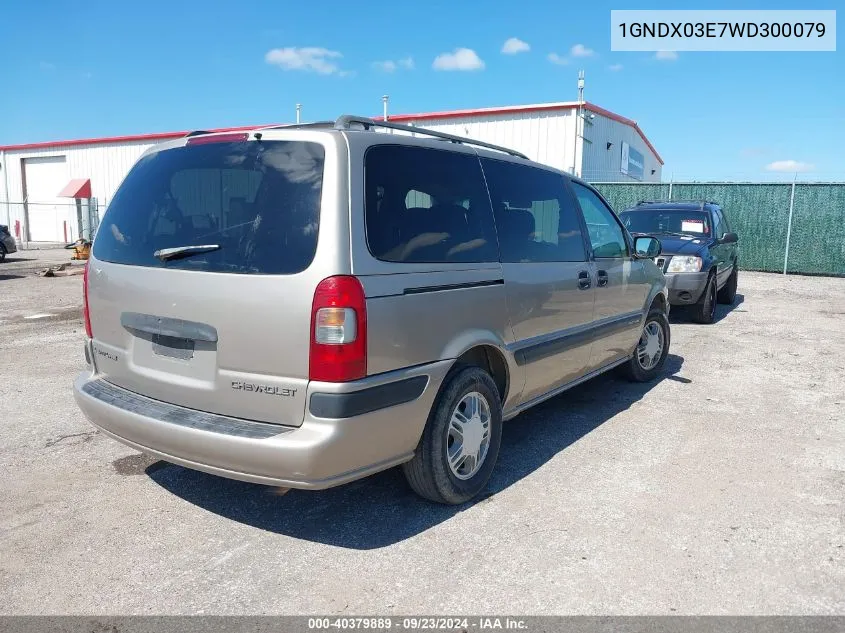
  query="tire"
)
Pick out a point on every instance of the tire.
point(705, 310)
point(429, 473)
point(2, 253)
point(637, 369)
point(727, 295)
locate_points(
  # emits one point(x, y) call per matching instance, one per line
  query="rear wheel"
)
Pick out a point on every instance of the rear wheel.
point(652, 348)
point(727, 294)
point(2, 252)
point(705, 310)
point(460, 444)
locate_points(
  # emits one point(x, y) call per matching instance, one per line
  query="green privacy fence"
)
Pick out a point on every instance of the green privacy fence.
point(811, 241)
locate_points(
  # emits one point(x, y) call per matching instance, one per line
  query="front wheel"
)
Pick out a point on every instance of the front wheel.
point(705, 310)
point(460, 444)
point(652, 348)
point(727, 294)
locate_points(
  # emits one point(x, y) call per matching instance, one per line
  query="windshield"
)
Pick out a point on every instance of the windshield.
point(667, 221)
point(247, 207)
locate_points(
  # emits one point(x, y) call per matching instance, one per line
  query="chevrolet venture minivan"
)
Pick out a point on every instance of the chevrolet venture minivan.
point(307, 305)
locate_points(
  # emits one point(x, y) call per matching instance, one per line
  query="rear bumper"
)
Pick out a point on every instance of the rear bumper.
point(380, 429)
point(9, 244)
point(685, 288)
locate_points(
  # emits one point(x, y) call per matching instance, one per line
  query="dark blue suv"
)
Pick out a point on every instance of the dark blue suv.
point(700, 252)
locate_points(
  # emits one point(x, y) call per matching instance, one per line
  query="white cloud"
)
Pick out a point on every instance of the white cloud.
point(460, 59)
point(791, 166)
point(666, 56)
point(386, 66)
point(579, 50)
point(557, 59)
point(310, 59)
point(615, 67)
point(514, 45)
point(390, 66)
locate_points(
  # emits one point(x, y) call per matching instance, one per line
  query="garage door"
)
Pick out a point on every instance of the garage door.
point(49, 216)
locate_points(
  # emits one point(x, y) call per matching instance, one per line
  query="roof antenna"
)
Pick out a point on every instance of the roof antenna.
point(384, 101)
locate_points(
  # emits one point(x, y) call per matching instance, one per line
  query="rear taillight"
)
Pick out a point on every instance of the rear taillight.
point(86, 313)
point(338, 331)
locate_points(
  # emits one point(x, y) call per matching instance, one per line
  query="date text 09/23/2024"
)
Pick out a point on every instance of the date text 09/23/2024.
point(417, 623)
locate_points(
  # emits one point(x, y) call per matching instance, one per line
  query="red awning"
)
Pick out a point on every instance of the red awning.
point(77, 188)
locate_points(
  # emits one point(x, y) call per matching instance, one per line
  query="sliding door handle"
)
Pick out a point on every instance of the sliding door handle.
point(584, 280)
point(602, 278)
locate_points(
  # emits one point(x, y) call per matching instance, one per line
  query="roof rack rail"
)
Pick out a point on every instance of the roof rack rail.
point(296, 126)
point(677, 201)
point(345, 123)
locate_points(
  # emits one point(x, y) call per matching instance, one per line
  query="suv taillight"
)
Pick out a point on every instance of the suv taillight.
point(86, 313)
point(338, 331)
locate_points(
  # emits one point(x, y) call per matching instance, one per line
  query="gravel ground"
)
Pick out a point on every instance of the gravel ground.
point(717, 490)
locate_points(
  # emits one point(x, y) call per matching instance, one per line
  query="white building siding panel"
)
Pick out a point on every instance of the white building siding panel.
point(546, 137)
point(601, 164)
point(105, 165)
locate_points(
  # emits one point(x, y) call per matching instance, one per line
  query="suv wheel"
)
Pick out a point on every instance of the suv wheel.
point(2, 252)
point(705, 310)
point(727, 294)
point(460, 444)
point(652, 348)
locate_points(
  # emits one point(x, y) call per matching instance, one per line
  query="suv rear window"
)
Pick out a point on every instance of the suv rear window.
point(427, 205)
point(259, 202)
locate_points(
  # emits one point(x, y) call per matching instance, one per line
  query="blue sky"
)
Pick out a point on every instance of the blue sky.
point(71, 70)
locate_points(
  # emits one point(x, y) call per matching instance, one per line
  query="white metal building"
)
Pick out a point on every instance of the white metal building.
point(584, 139)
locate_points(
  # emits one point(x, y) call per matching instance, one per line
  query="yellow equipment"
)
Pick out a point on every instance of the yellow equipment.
point(81, 249)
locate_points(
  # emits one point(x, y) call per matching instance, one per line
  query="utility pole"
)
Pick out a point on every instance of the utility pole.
point(576, 171)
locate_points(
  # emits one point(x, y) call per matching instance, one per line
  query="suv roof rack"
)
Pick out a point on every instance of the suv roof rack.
point(678, 201)
point(346, 121)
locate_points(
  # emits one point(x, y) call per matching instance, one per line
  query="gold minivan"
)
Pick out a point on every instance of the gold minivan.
point(306, 305)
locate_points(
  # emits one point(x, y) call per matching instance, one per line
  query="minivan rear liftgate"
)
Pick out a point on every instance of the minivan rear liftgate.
point(199, 282)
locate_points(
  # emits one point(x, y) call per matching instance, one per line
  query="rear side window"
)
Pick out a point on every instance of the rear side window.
point(536, 218)
point(258, 203)
point(427, 205)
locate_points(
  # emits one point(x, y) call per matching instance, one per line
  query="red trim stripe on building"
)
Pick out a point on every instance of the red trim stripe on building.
point(398, 118)
point(109, 140)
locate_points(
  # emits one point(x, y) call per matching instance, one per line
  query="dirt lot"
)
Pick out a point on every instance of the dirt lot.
point(717, 490)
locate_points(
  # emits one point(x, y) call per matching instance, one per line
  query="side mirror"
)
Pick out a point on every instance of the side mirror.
point(729, 238)
point(647, 247)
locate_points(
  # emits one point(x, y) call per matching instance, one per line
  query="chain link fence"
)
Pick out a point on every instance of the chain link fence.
point(783, 227)
point(36, 224)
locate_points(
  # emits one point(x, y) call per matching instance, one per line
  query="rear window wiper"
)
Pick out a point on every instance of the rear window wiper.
point(177, 252)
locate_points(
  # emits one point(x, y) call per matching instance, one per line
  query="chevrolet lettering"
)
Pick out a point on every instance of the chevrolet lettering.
point(268, 389)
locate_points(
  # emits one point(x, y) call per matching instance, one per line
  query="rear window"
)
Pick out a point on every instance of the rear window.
point(257, 202)
point(427, 205)
point(535, 214)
